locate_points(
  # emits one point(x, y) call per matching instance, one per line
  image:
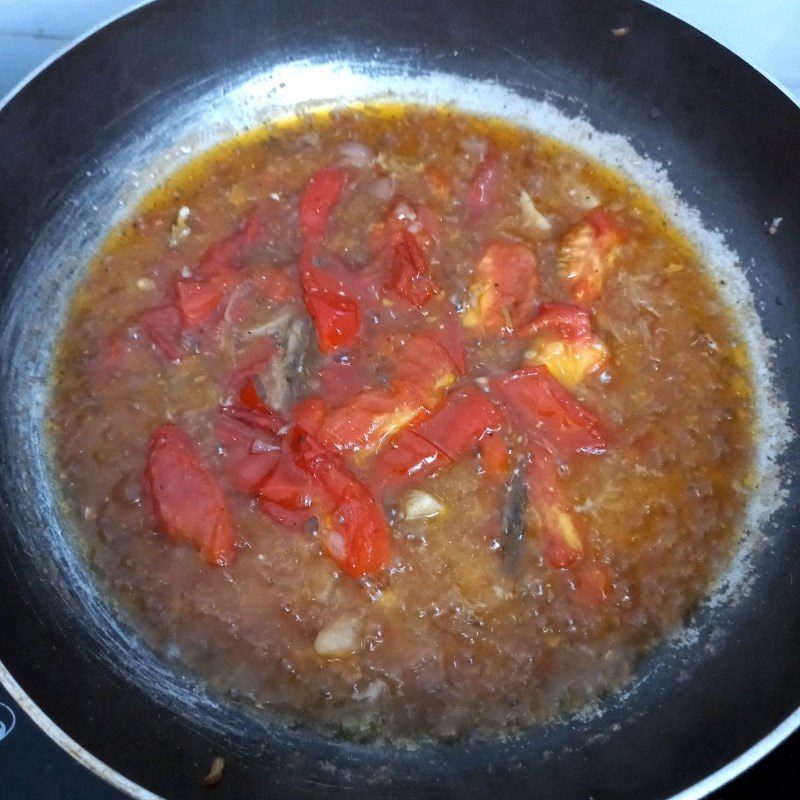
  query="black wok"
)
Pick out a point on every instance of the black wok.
point(69, 141)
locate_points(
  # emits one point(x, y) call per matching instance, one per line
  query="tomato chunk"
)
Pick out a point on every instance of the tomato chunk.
point(288, 491)
point(197, 299)
point(484, 192)
point(352, 526)
point(188, 502)
point(586, 253)
point(563, 542)
point(549, 413)
point(564, 343)
point(336, 314)
point(425, 368)
point(557, 319)
point(227, 253)
point(309, 414)
point(164, 327)
point(369, 420)
point(318, 200)
point(411, 278)
point(465, 418)
point(262, 418)
point(503, 288)
point(409, 455)
point(250, 454)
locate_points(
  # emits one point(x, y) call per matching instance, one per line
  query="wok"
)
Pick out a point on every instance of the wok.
point(96, 128)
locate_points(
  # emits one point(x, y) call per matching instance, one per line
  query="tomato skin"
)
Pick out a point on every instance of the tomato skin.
point(563, 342)
point(586, 253)
point(503, 288)
point(197, 299)
point(334, 310)
point(484, 191)
point(188, 502)
point(287, 492)
point(550, 414)
point(164, 327)
point(368, 420)
point(566, 322)
point(227, 253)
point(465, 417)
point(262, 419)
point(425, 368)
point(563, 541)
point(352, 526)
point(318, 200)
point(309, 414)
point(410, 276)
point(408, 456)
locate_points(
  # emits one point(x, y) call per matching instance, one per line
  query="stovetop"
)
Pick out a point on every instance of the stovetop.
point(34, 768)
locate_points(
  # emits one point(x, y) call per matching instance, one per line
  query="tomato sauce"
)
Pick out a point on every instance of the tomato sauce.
point(400, 423)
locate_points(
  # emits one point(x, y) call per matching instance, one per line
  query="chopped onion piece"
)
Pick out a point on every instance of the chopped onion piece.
point(531, 216)
point(475, 146)
point(421, 505)
point(382, 188)
point(341, 637)
point(583, 197)
point(354, 154)
point(180, 228)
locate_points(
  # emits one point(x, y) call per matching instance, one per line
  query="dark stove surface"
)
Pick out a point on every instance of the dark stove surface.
point(34, 768)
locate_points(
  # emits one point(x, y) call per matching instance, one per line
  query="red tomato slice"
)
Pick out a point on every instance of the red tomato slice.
point(566, 322)
point(411, 278)
point(425, 368)
point(586, 253)
point(261, 419)
point(486, 185)
point(550, 414)
point(248, 470)
point(316, 204)
point(164, 327)
point(336, 315)
point(353, 529)
point(503, 288)
point(247, 460)
point(461, 422)
point(288, 491)
point(368, 420)
point(227, 253)
point(309, 414)
point(197, 299)
point(408, 456)
point(277, 284)
point(563, 542)
point(188, 502)
point(562, 340)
